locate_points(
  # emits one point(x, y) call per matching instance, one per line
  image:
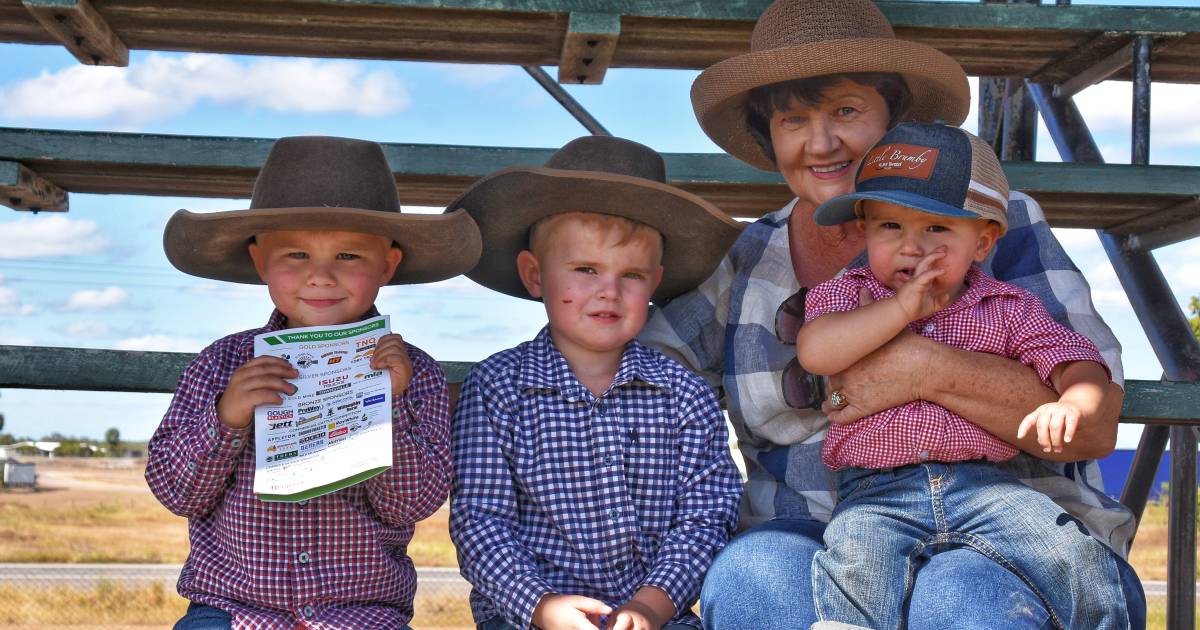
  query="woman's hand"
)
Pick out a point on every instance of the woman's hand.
point(888, 377)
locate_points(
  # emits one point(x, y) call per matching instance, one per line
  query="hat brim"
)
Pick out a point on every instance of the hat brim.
point(840, 209)
point(938, 84)
point(216, 245)
point(507, 203)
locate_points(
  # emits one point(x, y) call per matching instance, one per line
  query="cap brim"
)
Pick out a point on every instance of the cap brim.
point(507, 203)
point(215, 245)
point(938, 84)
point(840, 209)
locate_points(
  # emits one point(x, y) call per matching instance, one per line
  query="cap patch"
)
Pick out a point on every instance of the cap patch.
point(899, 160)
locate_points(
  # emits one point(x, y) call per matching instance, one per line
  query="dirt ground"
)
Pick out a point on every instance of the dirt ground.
point(80, 481)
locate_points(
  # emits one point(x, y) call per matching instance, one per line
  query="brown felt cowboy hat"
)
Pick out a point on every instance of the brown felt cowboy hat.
point(796, 39)
point(322, 183)
point(603, 175)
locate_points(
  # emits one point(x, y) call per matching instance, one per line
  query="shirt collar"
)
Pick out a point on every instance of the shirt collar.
point(544, 367)
point(278, 321)
point(979, 286)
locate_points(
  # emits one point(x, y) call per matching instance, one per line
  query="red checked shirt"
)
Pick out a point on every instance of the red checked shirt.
point(336, 561)
point(990, 316)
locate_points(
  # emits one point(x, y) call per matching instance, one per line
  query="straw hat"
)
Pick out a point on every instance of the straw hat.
point(795, 39)
point(322, 183)
point(604, 175)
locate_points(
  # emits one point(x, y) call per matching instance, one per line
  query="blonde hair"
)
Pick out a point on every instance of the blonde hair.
point(609, 228)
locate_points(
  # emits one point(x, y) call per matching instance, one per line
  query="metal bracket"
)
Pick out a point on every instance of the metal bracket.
point(1101, 66)
point(80, 28)
point(23, 189)
point(588, 47)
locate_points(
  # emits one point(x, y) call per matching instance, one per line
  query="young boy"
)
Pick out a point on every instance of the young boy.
point(931, 200)
point(593, 477)
point(324, 232)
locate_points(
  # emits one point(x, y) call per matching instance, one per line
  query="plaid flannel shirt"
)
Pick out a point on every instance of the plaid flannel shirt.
point(990, 316)
point(725, 331)
point(560, 491)
point(336, 561)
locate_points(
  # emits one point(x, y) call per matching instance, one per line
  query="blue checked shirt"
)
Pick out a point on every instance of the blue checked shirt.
point(560, 491)
point(725, 331)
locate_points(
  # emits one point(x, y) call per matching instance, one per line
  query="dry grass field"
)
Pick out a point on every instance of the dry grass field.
point(100, 511)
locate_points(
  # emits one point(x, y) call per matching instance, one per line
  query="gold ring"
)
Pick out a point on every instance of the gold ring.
point(838, 400)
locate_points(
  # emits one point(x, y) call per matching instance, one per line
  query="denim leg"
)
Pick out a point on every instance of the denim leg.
point(960, 588)
point(877, 534)
point(763, 578)
point(1076, 576)
point(204, 617)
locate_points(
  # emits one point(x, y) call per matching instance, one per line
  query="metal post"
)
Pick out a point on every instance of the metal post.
point(1173, 344)
point(1144, 469)
point(570, 104)
point(1140, 149)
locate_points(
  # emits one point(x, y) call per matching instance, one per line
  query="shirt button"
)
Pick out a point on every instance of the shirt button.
point(614, 514)
point(609, 460)
point(307, 611)
point(620, 566)
point(923, 455)
point(303, 503)
point(236, 442)
point(303, 557)
point(212, 432)
point(929, 328)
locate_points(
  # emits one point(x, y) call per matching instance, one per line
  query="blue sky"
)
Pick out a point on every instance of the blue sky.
point(96, 276)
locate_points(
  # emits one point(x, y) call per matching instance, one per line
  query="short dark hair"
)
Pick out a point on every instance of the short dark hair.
point(763, 101)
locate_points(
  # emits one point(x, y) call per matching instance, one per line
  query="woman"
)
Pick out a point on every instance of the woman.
point(823, 82)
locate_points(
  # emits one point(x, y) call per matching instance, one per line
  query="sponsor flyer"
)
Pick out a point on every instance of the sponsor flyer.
point(336, 430)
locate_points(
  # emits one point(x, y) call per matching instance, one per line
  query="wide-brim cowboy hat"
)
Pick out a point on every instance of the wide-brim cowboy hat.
point(797, 39)
point(325, 184)
point(602, 175)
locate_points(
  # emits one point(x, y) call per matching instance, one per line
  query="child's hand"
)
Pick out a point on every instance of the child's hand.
point(1055, 422)
point(634, 615)
point(569, 612)
point(259, 381)
point(392, 355)
point(916, 296)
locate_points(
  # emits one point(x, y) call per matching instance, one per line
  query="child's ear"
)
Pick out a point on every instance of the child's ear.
point(260, 260)
point(530, 271)
point(987, 238)
point(394, 256)
point(658, 276)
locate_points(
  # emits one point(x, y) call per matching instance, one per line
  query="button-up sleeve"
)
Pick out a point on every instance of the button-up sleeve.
point(708, 494)
point(483, 511)
point(192, 452)
point(417, 483)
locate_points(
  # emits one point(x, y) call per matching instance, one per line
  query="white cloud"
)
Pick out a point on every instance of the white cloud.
point(11, 304)
point(15, 340)
point(95, 300)
point(160, 343)
point(476, 75)
point(228, 291)
point(163, 86)
point(86, 329)
point(47, 236)
point(1107, 107)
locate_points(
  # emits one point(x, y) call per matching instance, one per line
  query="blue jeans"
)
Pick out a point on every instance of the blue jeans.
point(205, 617)
point(888, 521)
point(499, 623)
point(763, 579)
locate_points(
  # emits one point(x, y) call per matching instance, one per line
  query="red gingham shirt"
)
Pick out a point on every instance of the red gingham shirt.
point(990, 316)
point(336, 561)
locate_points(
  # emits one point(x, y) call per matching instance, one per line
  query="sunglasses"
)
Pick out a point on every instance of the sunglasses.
point(801, 390)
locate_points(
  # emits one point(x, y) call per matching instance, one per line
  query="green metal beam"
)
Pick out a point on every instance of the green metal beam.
point(84, 369)
point(1123, 198)
point(901, 13)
